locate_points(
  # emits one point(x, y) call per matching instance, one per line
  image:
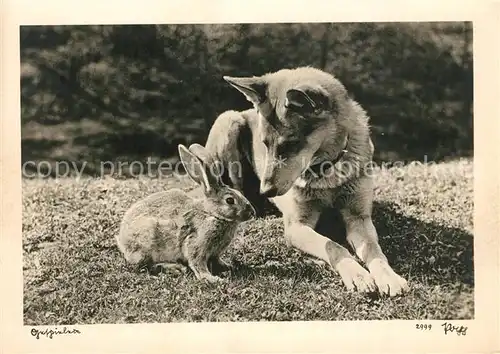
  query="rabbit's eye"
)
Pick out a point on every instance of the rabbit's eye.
point(230, 200)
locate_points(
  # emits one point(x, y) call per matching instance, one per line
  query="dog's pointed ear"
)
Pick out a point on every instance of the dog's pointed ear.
point(195, 168)
point(305, 99)
point(254, 88)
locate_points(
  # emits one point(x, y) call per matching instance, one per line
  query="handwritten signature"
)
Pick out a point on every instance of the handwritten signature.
point(53, 332)
point(449, 328)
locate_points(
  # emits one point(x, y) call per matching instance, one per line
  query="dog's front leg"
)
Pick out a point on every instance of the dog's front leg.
point(363, 238)
point(300, 234)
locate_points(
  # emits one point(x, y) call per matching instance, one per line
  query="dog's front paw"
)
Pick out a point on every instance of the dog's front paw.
point(388, 282)
point(355, 277)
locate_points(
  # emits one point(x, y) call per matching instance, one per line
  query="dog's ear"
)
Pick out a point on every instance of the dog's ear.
point(306, 99)
point(254, 88)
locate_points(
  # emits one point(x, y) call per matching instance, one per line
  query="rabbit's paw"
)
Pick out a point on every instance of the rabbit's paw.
point(172, 268)
point(217, 265)
point(212, 279)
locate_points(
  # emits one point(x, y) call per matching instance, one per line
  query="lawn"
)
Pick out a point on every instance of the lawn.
point(74, 274)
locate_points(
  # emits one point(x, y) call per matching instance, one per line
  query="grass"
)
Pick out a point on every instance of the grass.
point(74, 274)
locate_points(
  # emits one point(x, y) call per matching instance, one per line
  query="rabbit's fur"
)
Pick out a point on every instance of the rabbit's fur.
point(170, 229)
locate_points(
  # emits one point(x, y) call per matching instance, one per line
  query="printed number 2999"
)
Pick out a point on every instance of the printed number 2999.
point(424, 327)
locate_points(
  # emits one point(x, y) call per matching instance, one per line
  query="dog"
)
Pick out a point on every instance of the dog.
point(305, 146)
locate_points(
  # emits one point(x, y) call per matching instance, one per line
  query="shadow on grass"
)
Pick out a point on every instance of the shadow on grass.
point(430, 253)
point(424, 250)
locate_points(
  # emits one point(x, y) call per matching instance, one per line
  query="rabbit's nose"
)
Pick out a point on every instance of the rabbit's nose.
point(250, 211)
point(253, 213)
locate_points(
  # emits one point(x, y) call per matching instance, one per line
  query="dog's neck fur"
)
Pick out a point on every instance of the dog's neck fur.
point(339, 153)
point(353, 163)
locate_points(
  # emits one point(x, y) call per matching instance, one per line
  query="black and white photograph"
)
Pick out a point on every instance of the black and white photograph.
point(247, 172)
point(243, 172)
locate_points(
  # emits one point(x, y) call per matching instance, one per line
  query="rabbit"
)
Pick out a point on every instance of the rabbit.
point(170, 230)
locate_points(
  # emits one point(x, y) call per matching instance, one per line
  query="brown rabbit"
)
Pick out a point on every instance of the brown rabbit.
point(170, 229)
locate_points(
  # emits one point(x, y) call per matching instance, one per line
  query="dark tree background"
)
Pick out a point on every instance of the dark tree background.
point(109, 93)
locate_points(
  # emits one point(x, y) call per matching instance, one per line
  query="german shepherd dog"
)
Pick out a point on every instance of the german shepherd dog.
point(308, 146)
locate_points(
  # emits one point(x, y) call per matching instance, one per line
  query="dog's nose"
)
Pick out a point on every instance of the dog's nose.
point(268, 190)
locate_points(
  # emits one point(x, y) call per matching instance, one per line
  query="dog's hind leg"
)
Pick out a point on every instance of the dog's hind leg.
point(223, 143)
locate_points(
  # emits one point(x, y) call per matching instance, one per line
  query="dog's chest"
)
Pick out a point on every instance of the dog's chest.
point(326, 197)
point(323, 197)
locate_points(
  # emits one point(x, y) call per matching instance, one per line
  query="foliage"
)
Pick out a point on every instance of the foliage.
point(101, 92)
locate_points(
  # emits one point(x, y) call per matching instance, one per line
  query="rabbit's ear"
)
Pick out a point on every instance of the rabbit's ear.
point(213, 167)
point(199, 151)
point(194, 167)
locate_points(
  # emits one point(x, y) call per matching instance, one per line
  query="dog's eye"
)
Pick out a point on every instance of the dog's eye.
point(230, 200)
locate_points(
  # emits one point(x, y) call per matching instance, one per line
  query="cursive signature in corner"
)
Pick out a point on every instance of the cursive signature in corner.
point(450, 328)
point(50, 333)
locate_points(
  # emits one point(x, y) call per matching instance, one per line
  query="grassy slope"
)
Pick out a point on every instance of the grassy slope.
point(73, 273)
